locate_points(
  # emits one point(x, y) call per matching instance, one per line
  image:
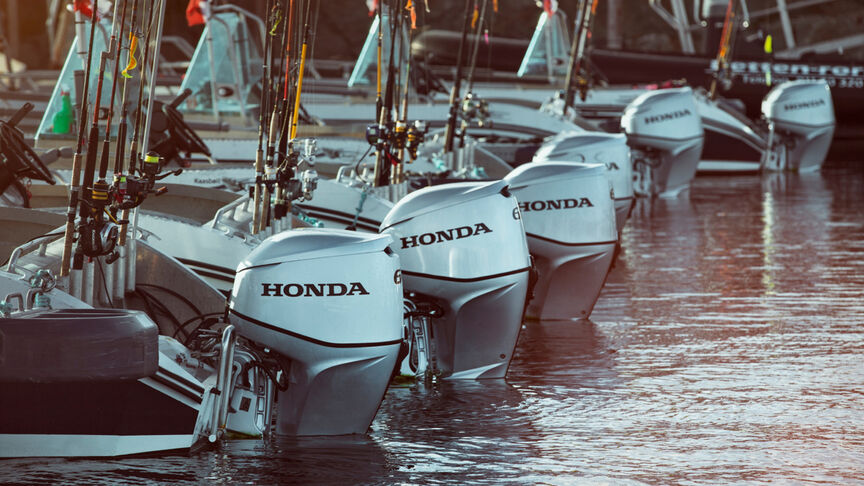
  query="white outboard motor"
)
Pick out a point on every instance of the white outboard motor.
point(330, 301)
point(801, 122)
point(463, 251)
point(665, 132)
point(569, 216)
point(609, 149)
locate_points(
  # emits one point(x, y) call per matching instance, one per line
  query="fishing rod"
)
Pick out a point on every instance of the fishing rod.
point(279, 105)
point(569, 94)
point(385, 133)
point(116, 48)
point(95, 238)
point(267, 93)
point(124, 98)
point(134, 154)
point(402, 129)
point(296, 111)
point(75, 189)
point(581, 36)
point(473, 62)
point(262, 116)
point(288, 183)
point(472, 106)
point(285, 172)
point(146, 17)
point(287, 95)
point(398, 126)
point(379, 102)
point(724, 49)
point(151, 89)
point(457, 85)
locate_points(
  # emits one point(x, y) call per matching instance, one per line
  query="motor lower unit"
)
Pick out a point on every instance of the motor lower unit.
point(330, 302)
point(665, 131)
point(463, 247)
point(569, 215)
point(801, 123)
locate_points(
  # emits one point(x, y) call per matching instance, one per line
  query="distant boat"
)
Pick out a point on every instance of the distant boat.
point(620, 67)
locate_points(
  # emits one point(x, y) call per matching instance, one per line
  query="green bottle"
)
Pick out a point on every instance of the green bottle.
point(63, 118)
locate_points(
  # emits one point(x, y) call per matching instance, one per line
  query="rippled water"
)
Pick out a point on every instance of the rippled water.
point(727, 347)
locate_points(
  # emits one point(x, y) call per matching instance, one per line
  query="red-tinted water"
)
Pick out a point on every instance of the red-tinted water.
point(727, 347)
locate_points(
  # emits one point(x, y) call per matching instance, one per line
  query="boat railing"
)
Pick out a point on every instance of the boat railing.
point(40, 243)
point(231, 208)
point(222, 390)
point(262, 30)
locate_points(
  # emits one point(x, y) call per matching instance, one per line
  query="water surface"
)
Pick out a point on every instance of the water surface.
point(727, 347)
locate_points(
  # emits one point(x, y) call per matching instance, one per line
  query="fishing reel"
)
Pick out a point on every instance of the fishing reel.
point(98, 238)
point(308, 183)
point(129, 191)
point(377, 135)
point(299, 184)
point(415, 136)
point(476, 109)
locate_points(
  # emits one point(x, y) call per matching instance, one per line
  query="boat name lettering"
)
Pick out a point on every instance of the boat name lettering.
point(667, 116)
point(444, 235)
point(804, 104)
point(551, 204)
point(793, 69)
point(312, 290)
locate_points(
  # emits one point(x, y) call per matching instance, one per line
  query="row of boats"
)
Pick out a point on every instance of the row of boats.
point(147, 316)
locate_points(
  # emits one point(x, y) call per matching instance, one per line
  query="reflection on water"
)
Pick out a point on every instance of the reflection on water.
point(726, 347)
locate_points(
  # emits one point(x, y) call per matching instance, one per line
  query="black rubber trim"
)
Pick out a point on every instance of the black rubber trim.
point(309, 339)
point(625, 198)
point(805, 125)
point(217, 276)
point(558, 242)
point(654, 137)
point(195, 386)
point(340, 220)
point(178, 388)
point(209, 266)
point(474, 279)
point(334, 212)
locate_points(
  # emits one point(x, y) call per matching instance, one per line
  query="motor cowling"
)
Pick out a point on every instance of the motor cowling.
point(665, 127)
point(463, 245)
point(569, 216)
point(802, 114)
point(331, 302)
point(609, 149)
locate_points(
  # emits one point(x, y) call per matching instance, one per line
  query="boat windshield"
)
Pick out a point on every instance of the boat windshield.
point(237, 75)
point(548, 51)
point(365, 69)
point(64, 98)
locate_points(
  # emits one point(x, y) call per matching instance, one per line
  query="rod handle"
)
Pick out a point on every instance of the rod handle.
point(180, 98)
point(20, 114)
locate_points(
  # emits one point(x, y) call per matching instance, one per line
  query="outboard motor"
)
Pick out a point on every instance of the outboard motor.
point(464, 253)
point(330, 302)
point(665, 132)
point(801, 122)
point(609, 149)
point(569, 216)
